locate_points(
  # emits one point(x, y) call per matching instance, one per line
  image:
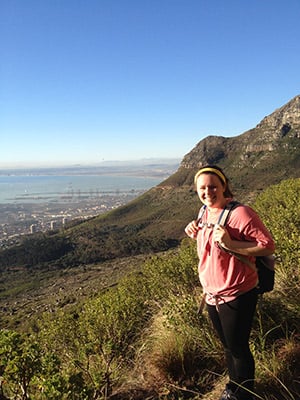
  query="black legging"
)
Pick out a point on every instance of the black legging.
point(233, 324)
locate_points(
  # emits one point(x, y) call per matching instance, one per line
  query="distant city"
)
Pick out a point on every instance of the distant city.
point(32, 213)
point(17, 220)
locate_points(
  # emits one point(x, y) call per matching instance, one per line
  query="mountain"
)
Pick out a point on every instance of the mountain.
point(268, 153)
point(155, 221)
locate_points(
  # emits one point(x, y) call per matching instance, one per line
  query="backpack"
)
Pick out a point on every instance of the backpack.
point(265, 265)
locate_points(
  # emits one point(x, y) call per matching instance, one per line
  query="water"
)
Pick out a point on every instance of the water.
point(31, 189)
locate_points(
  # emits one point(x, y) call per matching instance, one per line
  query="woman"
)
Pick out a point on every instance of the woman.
point(229, 284)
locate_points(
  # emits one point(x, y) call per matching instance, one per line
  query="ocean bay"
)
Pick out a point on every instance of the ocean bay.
point(39, 200)
point(61, 188)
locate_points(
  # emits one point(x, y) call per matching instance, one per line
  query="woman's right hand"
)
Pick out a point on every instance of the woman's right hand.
point(192, 229)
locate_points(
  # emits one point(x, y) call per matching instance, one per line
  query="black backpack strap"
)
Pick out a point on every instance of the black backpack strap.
point(226, 211)
point(222, 221)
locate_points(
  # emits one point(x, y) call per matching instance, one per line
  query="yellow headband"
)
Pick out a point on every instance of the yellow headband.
point(213, 170)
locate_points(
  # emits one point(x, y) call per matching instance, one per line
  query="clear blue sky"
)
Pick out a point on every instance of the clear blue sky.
point(83, 81)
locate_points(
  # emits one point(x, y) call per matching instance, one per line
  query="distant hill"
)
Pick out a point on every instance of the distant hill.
point(259, 157)
point(159, 167)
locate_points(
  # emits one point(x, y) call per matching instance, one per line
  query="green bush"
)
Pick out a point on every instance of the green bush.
point(145, 332)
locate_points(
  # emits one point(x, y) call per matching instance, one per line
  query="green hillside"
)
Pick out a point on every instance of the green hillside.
point(262, 156)
point(141, 337)
point(107, 308)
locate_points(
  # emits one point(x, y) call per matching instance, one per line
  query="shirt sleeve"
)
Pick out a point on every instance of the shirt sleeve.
point(245, 224)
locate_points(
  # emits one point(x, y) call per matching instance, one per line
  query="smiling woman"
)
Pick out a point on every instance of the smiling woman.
point(212, 186)
point(229, 284)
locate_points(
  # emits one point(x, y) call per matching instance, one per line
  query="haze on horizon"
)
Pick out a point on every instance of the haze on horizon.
point(109, 163)
point(86, 82)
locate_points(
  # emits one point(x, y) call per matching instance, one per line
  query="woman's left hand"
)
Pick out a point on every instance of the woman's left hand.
point(221, 236)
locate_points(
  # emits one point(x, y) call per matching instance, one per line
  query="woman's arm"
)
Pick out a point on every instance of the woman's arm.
point(222, 236)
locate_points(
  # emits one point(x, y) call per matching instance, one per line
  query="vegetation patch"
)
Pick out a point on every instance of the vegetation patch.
point(140, 337)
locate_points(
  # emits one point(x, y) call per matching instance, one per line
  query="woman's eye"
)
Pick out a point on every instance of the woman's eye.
point(208, 187)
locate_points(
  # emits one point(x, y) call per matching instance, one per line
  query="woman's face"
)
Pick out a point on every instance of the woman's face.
point(211, 190)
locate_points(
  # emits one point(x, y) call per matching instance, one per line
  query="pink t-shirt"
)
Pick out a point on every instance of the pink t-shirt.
point(222, 275)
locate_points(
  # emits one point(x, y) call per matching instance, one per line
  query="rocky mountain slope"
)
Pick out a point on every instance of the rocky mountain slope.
point(155, 221)
point(267, 153)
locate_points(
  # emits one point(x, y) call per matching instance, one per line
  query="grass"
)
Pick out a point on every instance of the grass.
point(171, 352)
point(137, 335)
point(26, 294)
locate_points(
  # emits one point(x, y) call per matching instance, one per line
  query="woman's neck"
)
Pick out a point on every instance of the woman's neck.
point(218, 207)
